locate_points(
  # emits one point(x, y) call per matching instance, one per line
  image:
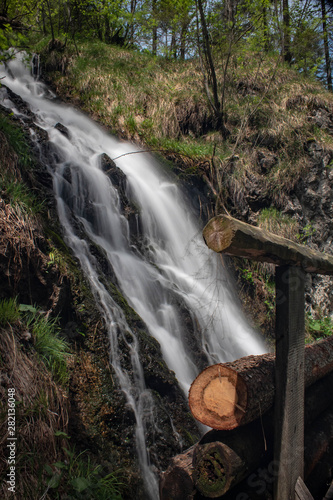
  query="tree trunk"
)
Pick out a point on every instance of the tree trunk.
point(51, 22)
point(183, 41)
point(287, 57)
point(224, 396)
point(218, 112)
point(154, 29)
point(326, 47)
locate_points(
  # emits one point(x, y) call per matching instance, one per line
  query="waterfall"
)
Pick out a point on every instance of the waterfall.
point(171, 266)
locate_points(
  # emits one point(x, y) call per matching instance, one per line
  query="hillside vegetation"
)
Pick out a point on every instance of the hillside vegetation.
point(279, 124)
point(273, 169)
point(162, 104)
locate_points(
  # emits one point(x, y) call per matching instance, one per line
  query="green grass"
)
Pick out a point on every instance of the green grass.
point(9, 312)
point(18, 192)
point(16, 139)
point(276, 222)
point(49, 345)
point(318, 328)
point(80, 478)
point(194, 149)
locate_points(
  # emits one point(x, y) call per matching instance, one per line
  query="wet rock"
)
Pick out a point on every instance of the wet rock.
point(62, 129)
point(21, 106)
point(129, 210)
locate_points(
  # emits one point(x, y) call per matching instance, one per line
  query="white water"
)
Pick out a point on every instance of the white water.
point(176, 261)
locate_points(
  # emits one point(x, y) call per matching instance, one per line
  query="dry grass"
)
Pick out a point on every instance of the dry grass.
point(277, 223)
point(18, 231)
point(8, 158)
point(41, 410)
point(157, 102)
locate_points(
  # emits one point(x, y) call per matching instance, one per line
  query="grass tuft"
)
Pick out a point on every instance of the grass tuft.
point(274, 221)
point(49, 345)
point(9, 312)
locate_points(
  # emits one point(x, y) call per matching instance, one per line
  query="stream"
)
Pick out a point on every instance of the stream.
point(171, 266)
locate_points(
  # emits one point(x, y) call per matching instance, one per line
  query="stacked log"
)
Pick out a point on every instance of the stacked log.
point(227, 395)
point(244, 421)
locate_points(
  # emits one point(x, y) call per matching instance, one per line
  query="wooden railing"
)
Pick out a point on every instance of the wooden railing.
point(285, 386)
point(236, 238)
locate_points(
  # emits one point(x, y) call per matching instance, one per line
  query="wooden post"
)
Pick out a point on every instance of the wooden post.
point(289, 366)
point(236, 238)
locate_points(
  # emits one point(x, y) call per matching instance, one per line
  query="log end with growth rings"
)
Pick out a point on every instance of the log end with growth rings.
point(218, 397)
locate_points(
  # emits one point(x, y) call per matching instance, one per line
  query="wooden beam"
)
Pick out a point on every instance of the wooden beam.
point(329, 493)
point(301, 491)
point(289, 380)
point(176, 482)
point(233, 237)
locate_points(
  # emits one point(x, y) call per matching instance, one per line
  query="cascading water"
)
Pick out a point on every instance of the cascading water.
point(173, 262)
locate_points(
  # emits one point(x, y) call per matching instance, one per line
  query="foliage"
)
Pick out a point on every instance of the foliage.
point(9, 312)
point(82, 479)
point(247, 275)
point(318, 327)
point(172, 28)
point(305, 233)
point(50, 346)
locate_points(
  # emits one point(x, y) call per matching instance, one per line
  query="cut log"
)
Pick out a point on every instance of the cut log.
point(224, 396)
point(216, 469)
point(252, 445)
point(233, 237)
point(176, 482)
point(224, 458)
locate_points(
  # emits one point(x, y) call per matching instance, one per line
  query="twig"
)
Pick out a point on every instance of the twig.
point(165, 151)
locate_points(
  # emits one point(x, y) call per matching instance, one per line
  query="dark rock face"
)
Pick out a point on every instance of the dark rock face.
point(132, 214)
point(64, 130)
point(193, 118)
point(314, 194)
point(309, 202)
point(266, 161)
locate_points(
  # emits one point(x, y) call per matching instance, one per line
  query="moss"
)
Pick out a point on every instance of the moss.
point(210, 474)
point(130, 314)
